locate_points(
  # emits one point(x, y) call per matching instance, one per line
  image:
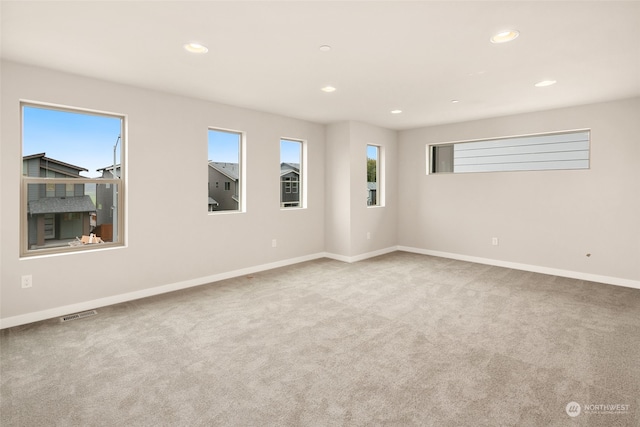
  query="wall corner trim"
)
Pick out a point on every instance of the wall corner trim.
point(356, 258)
point(617, 281)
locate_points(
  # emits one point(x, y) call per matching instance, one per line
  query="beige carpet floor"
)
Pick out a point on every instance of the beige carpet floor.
point(397, 340)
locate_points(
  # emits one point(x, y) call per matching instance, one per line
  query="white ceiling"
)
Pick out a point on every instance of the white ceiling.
point(416, 56)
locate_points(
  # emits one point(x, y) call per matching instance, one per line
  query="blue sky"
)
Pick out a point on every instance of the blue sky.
point(224, 146)
point(87, 140)
point(290, 151)
point(84, 140)
point(372, 152)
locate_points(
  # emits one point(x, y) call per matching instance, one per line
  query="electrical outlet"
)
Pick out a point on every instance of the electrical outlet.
point(274, 243)
point(27, 281)
point(494, 241)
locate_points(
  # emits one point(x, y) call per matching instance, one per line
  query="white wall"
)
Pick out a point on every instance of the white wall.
point(338, 186)
point(170, 240)
point(348, 219)
point(379, 221)
point(548, 219)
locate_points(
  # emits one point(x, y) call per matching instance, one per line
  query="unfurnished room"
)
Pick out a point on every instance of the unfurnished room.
point(320, 213)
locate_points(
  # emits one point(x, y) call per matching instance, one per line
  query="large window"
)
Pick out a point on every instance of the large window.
point(291, 173)
point(225, 170)
point(563, 150)
point(373, 176)
point(72, 179)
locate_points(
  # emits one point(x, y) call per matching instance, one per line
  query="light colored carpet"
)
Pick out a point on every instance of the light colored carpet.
point(398, 340)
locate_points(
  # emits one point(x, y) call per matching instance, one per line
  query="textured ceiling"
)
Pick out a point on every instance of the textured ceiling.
point(416, 56)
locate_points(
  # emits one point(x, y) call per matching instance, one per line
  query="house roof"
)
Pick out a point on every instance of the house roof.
point(287, 165)
point(288, 171)
point(61, 205)
point(109, 169)
point(231, 170)
point(287, 168)
point(49, 162)
point(212, 201)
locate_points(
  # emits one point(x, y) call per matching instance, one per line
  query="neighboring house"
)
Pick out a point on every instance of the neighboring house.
point(105, 204)
point(213, 204)
point(55, 211)
point(372, 193)
point(224, 186)
point(289, 184)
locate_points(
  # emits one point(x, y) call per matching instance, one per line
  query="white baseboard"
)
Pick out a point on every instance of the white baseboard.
point(528, 267)
point(360, 257)
point(130, 296)
point(337, 257)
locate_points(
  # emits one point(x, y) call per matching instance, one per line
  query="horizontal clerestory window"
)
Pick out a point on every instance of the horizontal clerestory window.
point(552, 151)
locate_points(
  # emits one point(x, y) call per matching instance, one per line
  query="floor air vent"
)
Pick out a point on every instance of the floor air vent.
point(76, 316)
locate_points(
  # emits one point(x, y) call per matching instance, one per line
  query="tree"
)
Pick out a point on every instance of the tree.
point(372, 170)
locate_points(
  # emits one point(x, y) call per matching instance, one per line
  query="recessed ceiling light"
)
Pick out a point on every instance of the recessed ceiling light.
point(545, 83)
point(195, 48)
point(328, 89)
point(505, 36)
point(396, 111)
point(325, 48)
point(455, 101)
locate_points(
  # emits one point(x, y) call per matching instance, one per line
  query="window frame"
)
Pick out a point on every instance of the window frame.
point(432, 147)
point(242, 174)
point(380, 201)
point(119, 183)
point(289, 183)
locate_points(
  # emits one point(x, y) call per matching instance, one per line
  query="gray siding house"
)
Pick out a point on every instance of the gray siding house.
point(372, 193)
point(224, 186)
point(104, 204)
point(55, 211)
point(289, 185)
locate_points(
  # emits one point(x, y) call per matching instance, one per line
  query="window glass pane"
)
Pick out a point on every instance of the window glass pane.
point(442, 158)
point(554, 151)
point(224, 166)
point(81, 144)
point(67, 151)
point(61, 222)
point(290, 173)
point(373, 173)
